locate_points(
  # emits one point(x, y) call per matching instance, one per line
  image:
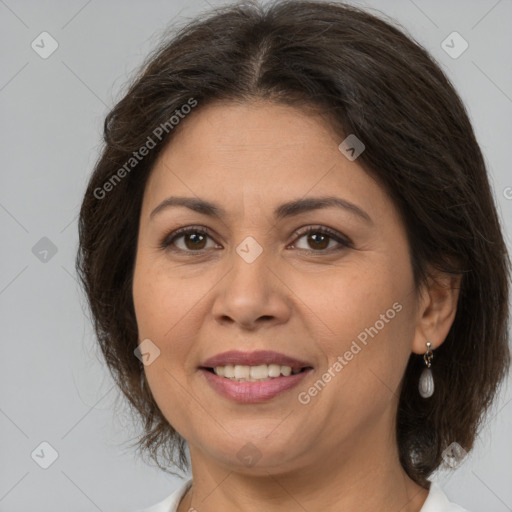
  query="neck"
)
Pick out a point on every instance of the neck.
point(363, 474)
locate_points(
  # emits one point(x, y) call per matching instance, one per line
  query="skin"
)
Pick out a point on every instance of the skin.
point(297, 298)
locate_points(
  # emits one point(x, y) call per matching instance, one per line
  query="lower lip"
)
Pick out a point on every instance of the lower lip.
point(252, 392)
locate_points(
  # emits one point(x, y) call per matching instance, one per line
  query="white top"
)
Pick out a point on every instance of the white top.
point(436, 501)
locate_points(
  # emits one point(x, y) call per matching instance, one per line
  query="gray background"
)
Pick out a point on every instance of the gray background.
point(53, 384)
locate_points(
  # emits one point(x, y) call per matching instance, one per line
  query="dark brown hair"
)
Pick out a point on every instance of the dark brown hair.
point(371, 80)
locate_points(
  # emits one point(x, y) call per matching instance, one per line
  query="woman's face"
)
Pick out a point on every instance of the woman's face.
point(343, 304)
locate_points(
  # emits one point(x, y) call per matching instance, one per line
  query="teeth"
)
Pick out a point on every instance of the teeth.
point(274, 370)
point(229, 371)
point(243, 373)
point(286, 370)
point(258, 372)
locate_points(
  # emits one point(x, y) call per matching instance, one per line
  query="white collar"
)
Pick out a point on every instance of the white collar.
point(436, 501)
point(170, 504)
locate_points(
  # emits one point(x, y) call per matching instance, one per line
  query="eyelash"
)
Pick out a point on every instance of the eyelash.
point(344, 242)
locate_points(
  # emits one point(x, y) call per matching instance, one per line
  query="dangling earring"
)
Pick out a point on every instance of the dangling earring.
point(426, 384)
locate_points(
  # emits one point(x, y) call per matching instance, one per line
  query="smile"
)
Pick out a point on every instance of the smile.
point(253, 377)
point(260, 373)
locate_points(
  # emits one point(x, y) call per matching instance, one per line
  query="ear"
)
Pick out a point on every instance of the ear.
point(436, 310)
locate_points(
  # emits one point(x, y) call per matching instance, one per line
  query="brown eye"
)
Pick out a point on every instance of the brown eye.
point(318, 240)
point(322, 239)
point(194, 240)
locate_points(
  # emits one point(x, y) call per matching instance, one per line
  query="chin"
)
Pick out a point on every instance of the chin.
point(251, 454)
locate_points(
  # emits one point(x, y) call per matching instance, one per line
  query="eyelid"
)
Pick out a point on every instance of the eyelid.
point(341, 239)
point(169, 238)
point(323, 229)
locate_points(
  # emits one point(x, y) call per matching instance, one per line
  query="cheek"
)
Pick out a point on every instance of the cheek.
point(163, 310)
point(347, 302)
point(170, 311)
point(160, 299)
point(368, 321)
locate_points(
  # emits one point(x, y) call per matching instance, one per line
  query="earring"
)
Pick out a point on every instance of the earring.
point(426, 384)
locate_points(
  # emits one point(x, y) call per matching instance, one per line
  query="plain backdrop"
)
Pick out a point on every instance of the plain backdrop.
point(54, 387)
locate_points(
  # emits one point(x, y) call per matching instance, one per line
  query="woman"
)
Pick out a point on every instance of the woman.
point(294, 262)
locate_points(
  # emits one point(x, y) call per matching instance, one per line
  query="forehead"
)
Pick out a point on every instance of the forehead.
point(229, 132)
point(258, 154)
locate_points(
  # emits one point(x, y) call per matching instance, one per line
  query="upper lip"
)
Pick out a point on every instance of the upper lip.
point(254, 358)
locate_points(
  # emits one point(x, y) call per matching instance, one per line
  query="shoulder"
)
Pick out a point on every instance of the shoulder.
point(437, 501)
point(170, 504)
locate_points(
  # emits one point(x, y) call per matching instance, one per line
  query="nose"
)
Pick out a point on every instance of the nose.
point(252, 295)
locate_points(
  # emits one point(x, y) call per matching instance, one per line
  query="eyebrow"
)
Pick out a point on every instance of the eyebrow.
point(285, 210)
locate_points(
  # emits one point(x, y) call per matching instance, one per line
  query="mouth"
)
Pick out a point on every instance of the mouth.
point(251, 377)
point(259, 365)
point(259, 373)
